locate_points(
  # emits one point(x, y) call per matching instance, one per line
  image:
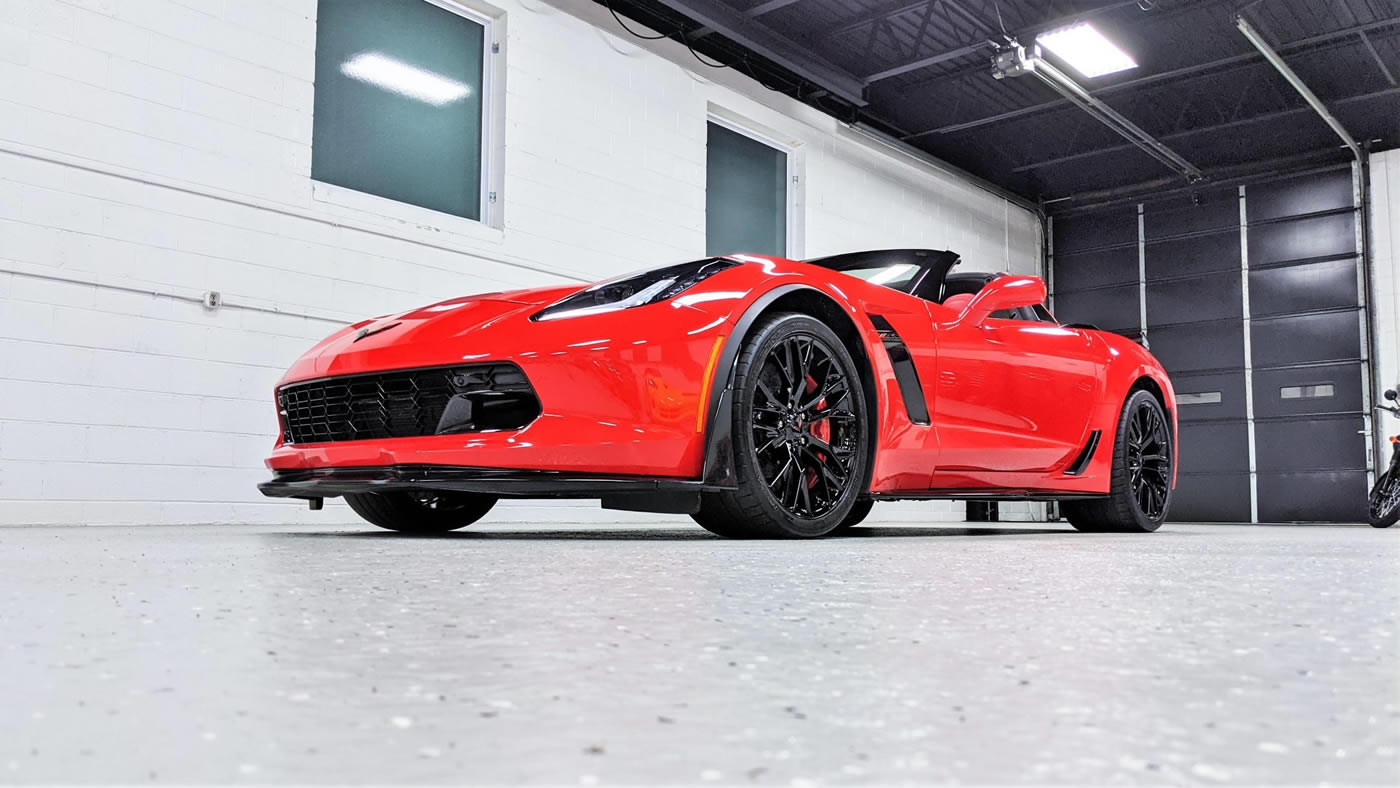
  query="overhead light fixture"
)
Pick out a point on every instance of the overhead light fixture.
point(396, 76)
point(1086, 50)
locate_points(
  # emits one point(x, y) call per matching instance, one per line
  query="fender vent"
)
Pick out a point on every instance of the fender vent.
point(1085, 455)
point(904, 372)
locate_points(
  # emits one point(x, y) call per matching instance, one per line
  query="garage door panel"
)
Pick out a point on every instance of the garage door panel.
point(1104, 267)
point(1210, 297)
point(1213, 447)
point(1213, 396)
point(1211, 498)
point(1218, 210)
point(1302, 239)
point(1199, 254)
point(1113, 308)
point(1296, 196)
point(1198, 346)
point(1306, 287)
point(1331, 388)
point(1305, 324)
point(1318, 496)
point(1301, 339)
point(1327, 443)
point(1095, 230)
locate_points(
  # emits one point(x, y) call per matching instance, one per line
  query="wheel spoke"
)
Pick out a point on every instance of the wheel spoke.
point(1149, 460)
point(781, 474)
point(827, 392)
point(804, 423)
point(768, 395)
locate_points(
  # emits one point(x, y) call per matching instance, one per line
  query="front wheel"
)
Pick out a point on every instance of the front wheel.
point(1141, 488)
point(421, 512)
point(800, 440)
point(1385, 501)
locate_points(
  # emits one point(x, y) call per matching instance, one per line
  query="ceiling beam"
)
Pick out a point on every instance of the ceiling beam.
point(762, 41)
point(1370, 47)
point(878, 14)
point(753, 13)
point(1270, 116)
point(1187, 71)
point(925, 62)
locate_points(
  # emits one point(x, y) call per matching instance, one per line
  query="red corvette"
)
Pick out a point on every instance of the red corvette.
point(761, 396)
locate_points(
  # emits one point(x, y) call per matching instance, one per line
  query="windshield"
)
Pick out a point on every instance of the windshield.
point(900, 276)
point(918, 272)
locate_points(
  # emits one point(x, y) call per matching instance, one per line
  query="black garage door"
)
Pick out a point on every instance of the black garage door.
point(1251, 298)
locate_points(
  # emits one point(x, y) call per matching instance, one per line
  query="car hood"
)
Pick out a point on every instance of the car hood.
point(391, 340)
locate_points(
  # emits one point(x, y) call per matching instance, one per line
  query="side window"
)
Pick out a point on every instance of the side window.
point(399, 109)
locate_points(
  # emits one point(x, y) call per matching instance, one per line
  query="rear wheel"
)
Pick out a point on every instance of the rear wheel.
point(1385, 501)
point(421, 512)
point(800, 447)
point(1141, 489)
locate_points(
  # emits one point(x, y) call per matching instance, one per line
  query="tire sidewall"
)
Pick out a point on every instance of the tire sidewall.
point(1121, 456)
point(1385, 522)
point(750, 475)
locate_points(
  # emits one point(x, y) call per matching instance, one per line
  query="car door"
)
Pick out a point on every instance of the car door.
point(1013, 394)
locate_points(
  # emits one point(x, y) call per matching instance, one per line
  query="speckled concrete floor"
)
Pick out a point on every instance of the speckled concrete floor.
point(1199, 654)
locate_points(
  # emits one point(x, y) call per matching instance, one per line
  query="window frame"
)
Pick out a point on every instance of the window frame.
point(792, 179)
point(491, 169)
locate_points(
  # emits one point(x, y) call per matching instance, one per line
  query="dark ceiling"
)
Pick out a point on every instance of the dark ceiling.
point(920, 71)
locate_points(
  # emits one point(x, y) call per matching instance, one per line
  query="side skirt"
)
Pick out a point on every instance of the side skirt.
point(987, 494)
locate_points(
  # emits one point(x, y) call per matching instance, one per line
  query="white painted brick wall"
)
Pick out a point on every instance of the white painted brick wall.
point(1385, 256)
point(165, 146)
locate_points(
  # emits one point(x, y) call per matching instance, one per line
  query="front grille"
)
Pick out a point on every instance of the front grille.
point(407, 404)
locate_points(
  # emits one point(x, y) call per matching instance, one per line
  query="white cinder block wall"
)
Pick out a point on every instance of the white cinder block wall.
point(153, 150)
point(1385, 256)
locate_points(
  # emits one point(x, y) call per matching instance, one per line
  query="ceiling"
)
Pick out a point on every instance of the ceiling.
point(920, 71)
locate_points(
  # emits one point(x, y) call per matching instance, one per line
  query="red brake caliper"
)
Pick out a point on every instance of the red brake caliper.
point(820, 428)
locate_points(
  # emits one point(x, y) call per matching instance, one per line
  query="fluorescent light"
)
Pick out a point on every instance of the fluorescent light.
point(399, 77)
point(1086, 50)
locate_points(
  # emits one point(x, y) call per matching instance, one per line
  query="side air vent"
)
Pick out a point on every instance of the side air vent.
point(1081, 463)
point(904, 372)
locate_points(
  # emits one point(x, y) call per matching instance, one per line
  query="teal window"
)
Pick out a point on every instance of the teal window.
point(399, 102)
point(746, 196)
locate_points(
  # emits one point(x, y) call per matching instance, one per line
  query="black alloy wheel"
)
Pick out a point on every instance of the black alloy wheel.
point(1140, 485)
point(804, 433)
point(1149, 460)
point(800, 444)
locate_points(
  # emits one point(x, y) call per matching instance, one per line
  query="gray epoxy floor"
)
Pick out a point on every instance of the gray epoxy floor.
point(509, 654)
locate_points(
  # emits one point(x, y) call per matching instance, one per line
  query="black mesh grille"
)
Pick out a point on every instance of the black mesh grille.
point(407, 404)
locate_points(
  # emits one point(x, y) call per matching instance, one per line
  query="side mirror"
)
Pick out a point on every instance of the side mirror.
point(1007, 292)
point(1391, 395)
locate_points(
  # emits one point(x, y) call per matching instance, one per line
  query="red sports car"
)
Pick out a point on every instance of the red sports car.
point(764, 397)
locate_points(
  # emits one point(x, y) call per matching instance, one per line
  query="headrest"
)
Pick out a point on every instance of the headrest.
point(958, 302)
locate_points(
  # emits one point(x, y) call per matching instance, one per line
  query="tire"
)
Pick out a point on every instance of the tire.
point(1141, 486)
point(1384, 504)
point(858, 514)
point(800, 444)
point(426, 512)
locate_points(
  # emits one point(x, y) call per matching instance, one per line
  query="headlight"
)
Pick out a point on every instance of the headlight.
point(648, 287)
